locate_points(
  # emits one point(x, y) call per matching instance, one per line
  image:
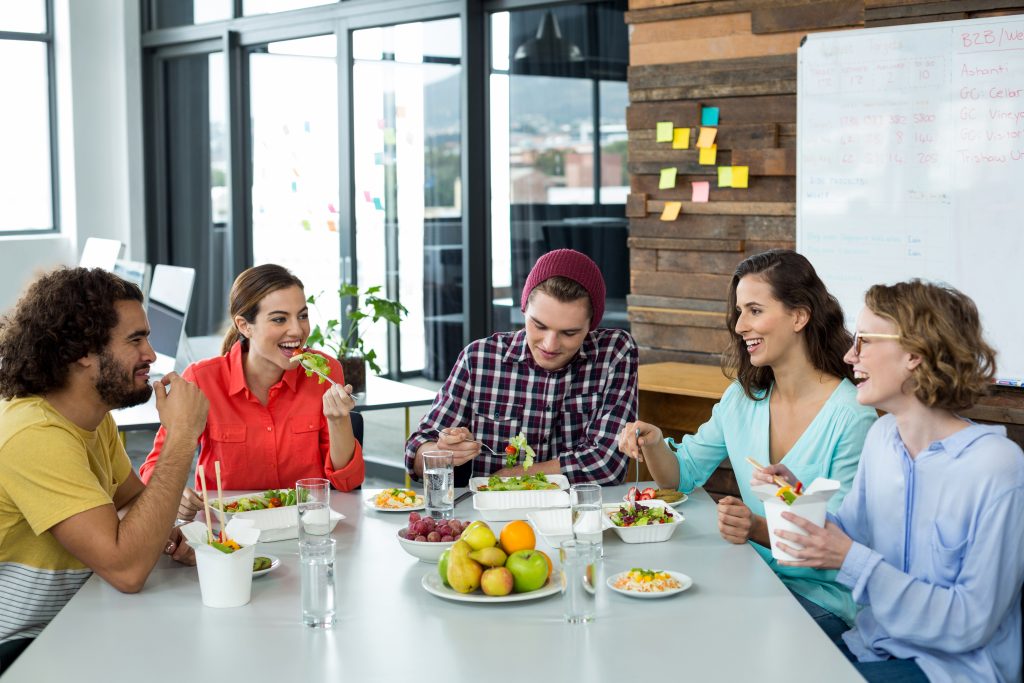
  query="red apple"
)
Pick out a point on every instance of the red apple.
point(497, 581)
point(529, 570)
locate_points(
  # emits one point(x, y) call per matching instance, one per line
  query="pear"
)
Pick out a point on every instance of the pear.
point(478, 535)
point(489, 557)
point(463, 573)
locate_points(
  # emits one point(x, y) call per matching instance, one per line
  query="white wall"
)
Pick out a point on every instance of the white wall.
point(99, 112)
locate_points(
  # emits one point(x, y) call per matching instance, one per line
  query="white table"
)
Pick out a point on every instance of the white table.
point(738, 622)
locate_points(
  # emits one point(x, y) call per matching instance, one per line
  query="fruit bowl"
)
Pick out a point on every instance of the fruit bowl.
point(650, 533)
point(425, 551)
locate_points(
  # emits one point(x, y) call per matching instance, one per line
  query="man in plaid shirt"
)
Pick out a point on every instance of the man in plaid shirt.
point(569, 387)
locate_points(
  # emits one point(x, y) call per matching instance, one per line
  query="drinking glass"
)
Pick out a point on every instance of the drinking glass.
point(585, 500)
point(314, 507)
point(439, 484)
point(316, 562)
point(581, 572)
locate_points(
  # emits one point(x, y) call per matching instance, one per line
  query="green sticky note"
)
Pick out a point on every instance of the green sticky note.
point(664, 131)
point(740, 175)
point(681, 138)
point(725, 176)
point(668, 178)
point(389, 136)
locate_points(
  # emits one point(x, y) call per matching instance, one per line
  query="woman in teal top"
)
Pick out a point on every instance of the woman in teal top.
point(792, 402)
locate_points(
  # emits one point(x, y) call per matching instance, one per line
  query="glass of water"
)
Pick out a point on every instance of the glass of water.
point(439, 483)
point(587, 525)
point(316, 562)
point(580, 564)
point(314, 505)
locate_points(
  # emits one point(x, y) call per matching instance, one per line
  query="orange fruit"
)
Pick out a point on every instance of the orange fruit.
point(517, 535)
point(551, 567)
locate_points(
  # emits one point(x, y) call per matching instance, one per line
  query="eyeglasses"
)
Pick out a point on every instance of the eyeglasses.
point(860, 336)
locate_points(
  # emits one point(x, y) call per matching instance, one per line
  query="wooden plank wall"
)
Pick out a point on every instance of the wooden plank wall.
point(739, 56)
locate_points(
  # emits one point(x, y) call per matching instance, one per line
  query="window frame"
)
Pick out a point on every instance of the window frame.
point(46, 37)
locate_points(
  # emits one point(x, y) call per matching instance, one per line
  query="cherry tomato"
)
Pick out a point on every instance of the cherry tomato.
point(275, 502)
point(511, 450)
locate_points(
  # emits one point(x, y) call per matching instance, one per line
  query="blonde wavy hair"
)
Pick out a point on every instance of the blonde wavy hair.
point(940, 325)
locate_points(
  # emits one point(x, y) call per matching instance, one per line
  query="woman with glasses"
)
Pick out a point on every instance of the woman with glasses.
point(929, 537)
point(792, 402)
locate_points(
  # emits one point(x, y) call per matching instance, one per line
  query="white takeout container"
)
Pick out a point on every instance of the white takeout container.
point(505, 506)
point(560, 479)
point(274, 524)
point(648, 533)
point(554, 525)
point(225, 580)
point(812, 506)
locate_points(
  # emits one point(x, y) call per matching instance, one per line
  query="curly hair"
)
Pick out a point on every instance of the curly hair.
point(940, 325)
point(64, 315)
point(794, 283)
point(248, 290)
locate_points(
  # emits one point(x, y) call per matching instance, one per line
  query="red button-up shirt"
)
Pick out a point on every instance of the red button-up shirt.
point(263, 446)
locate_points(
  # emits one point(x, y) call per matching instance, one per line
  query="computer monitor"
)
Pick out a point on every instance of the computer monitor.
point(136, 272)
point(100, 253)
point(167, 309)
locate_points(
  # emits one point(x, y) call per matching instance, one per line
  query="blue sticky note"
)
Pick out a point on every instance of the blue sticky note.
point(378, 158)
point(378, 204)
point(709, 116)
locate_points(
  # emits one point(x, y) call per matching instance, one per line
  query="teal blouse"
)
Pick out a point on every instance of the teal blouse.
point(829, 447)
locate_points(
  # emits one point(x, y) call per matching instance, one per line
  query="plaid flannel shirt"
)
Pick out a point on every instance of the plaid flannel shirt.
point(574, 414)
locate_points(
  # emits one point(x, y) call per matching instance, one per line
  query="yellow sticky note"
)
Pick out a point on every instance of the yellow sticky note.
point(706, 137)
point(725, 176)
point(708, 156)
point(668, 178)
point(740, 175)
point(681, 138)
point(671, 211)
point(664, 129)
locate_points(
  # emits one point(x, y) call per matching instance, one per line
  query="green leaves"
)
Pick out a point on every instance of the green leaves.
point(373, 307)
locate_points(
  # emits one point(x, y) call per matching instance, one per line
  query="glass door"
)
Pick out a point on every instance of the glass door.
point(406, 124)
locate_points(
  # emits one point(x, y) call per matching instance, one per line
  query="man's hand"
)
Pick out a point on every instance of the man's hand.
point(191, 503)
point(338, 402)
point(631, 444)
point(823, 548)
point(460, 441)
point(181, 405)
point(178, 549)
point(735, 520)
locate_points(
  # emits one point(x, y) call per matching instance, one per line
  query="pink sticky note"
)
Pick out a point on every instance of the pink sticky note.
point(701, 190)
point(367, 196)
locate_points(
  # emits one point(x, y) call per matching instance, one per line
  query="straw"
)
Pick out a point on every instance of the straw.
point(220, 509)
point(779, 481)
point(206, 505)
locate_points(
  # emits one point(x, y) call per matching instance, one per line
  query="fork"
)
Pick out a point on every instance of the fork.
point(296, 359)
point(636, 485)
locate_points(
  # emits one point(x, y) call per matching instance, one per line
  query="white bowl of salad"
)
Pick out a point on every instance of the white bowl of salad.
point(646, 521)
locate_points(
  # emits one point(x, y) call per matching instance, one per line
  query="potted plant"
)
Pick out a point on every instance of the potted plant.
point(350, 349)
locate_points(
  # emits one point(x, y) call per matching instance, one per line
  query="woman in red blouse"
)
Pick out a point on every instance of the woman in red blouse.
point(269, 424)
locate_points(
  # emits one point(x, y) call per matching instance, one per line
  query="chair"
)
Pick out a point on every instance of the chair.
point(357, 426)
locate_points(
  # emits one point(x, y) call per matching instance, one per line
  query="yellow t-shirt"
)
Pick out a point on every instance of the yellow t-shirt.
point(50, 470)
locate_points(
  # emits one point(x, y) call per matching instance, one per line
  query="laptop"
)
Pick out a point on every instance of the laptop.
point(167, 309)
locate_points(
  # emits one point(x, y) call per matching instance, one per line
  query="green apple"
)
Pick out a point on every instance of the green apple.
point(497, 581)
point(529, 570)
point(442, 567)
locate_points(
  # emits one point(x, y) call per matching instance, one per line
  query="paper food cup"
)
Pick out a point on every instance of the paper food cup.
point(225, 579)
point(811, 506)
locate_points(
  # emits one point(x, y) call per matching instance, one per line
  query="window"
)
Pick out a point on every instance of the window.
point(27, 185)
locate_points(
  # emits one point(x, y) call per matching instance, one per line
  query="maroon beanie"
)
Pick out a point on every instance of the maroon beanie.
point(570, 264)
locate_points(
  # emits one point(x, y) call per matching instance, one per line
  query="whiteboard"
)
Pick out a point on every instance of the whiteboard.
point(910, 163)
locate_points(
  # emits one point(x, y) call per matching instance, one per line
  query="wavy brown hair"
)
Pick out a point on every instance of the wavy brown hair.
point(249, 289)
point(940, 325)
point(64, 315)
point(794, 283)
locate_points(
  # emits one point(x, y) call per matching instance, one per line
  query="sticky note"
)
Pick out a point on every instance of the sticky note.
point(706, 137)
point(709, 116)
point(701, 189)
point(740, 174)
point(681, 138)
point(332, 226)
point(399, 112)
point(664, 129)
point(668, 178)
point(366, 194)
point(671, 211)
point(389, 136)
point(306, 225)
point(378, 204)
point(725, 176)
point(708, 156)
point(378, 158)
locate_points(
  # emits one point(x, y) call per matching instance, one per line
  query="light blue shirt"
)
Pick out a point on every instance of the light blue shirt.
point(937, 559)
point(829, 447)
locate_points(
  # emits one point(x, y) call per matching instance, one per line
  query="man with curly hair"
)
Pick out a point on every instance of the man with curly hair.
point(74, 348)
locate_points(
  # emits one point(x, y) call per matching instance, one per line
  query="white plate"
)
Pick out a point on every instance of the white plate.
point(274, 564)
point(625, 499)
point(560, 479)
point(683, 579)
point(420, 504)
point(432, 584)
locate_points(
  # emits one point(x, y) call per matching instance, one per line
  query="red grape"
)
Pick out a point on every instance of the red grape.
point(447, 539)
point(414, 516)
point(421, 539)
point(433, 537)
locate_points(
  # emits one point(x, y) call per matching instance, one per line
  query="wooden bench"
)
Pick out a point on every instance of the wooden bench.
point(678, 398)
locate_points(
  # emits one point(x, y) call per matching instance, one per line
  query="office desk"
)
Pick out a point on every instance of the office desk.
point(678, 397)
point(738, 622)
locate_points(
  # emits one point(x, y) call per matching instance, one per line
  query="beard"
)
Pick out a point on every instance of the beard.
point(117, 387)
